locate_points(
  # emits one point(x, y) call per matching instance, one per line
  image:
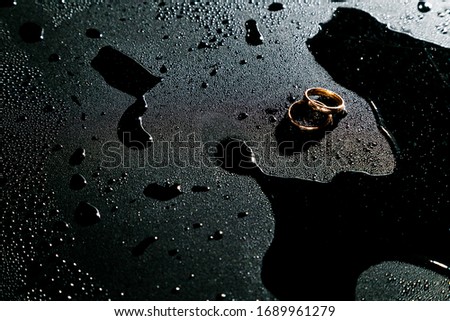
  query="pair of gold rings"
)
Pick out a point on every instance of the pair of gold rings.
point(316, 110)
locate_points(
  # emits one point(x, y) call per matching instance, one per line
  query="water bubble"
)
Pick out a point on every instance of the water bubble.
point(77, 182)
point(93, 33)
point(253, 36)
point(86, 214)
point(162, 193)
point(204, 84)
point(197, 225)
point(31, 32)
point(163, 69)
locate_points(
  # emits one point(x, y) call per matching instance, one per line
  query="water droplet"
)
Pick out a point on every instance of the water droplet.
point(130, 130)
point(61, 226)
point(31, 32)
point(202, 45)
point(143, 245)
point(86, 214)
point(173, 252)
point(243, 62)
point(204, 84)
point(271, 111)
point(123, 73)
point(57, 147)
point(77, 157)
point(22, 118)
point(199, 188)
point(236, 156)
point(49, 108)
point(253, 36)
point(176, 290)
point(272, 119)
point(242, 116)
point(221, 296)
point(93, 33)
point(77, 182)
point(162, 193)
point(7, 3)
point(54, 57)
point(75, 100)
point(197, 225)
point(275, 6)
point(424, 6)
point(218, 235)
point(163, 69)
point(242, 214)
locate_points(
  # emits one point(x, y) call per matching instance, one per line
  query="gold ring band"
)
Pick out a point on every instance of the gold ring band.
point(300, 103)
point(338, 107)
point(336, 102)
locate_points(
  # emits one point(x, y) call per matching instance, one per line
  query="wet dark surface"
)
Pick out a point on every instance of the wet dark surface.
point(354, 212)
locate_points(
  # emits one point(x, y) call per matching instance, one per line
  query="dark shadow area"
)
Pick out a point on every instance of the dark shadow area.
point(326, 234)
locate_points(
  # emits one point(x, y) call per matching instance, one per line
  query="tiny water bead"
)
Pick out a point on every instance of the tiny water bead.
point(31, 32)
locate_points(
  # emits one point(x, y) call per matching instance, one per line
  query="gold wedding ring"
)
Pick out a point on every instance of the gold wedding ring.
point(317, 102)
